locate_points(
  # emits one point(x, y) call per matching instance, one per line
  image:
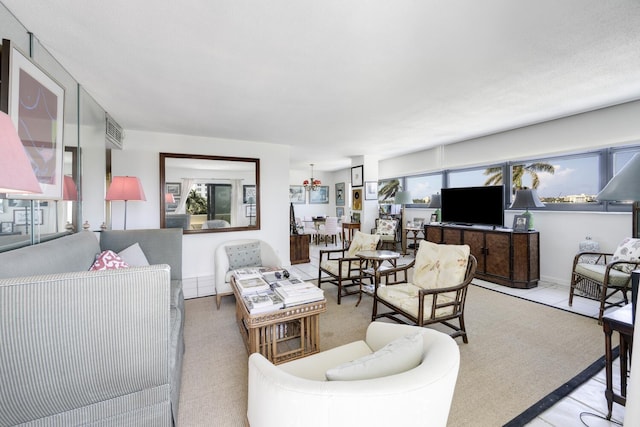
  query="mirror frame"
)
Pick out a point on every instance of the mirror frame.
point(256, 162)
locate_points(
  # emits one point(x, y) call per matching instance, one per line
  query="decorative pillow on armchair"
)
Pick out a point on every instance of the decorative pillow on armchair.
point(244, 255)
point(440, 266)
point(627, 250)
point(362, 242)
point(387, 227)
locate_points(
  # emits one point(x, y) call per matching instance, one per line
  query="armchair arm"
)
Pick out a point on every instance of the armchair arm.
point(601, 257)
point(395, 271)
point(331, 254)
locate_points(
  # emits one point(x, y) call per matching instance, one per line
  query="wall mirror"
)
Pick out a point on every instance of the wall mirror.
point(209, 194)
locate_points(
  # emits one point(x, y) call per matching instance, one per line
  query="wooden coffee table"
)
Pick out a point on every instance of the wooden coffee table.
point(281, 335)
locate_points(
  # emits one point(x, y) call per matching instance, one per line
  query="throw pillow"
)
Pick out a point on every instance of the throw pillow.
point(398, 356)
point(386, 227)
point(627, 250)
point(108, 260)
point(362, 242)
point(244, 255)
point(134, 256)
point(440, 266)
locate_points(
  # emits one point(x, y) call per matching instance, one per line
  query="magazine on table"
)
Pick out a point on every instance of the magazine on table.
point(252, 285)
point(263, 302)
point(246, 273)
point(296, 291)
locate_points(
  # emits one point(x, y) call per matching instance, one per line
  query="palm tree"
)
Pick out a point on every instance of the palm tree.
point(519, 171)
point(196, 204)
point(388, 191)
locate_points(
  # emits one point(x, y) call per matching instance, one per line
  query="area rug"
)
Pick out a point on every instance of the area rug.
point(518, 352)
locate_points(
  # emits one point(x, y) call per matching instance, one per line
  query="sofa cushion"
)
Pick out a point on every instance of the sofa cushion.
point(398, 356)
point(244, 255)
point(627, 250)
point(134, 256)
point(108, 260)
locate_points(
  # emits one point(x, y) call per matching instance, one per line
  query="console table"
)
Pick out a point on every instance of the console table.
point(505, 257)
point(299, 248)
point(619, 320)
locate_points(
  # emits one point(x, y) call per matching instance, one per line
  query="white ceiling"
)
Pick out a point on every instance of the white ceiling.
point(335, 78)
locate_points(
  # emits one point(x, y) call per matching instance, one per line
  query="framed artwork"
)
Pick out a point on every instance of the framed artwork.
point(356, 176)
point(247, 192)
point(321, 195)
point(6, 227)
point(340, 194)
point(22, 217)
point(339, 212)
point(520, 223)
point(250, 210)
point(297, 194)
point(370, 190)
point(355, 217)
point(357, 199)
point(2, 205)
point(173, 188)
point(36, 107)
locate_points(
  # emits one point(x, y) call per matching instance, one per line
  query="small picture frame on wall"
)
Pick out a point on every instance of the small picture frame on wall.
point(340, 212)
point(357, 199)
point(340, 194)
point(248, 194)
point(357, 176)
point(320, 195)
point(6, 227)
point(370, 190)
point(297, 194)
point(520, 223)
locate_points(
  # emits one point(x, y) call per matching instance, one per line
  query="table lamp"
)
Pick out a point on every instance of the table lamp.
point(125, 188)
point(624, 186)
point(525, 199)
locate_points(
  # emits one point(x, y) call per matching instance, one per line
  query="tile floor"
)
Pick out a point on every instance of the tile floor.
point(585, 406)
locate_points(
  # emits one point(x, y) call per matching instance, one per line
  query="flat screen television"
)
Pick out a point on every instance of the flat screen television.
point(473, 205)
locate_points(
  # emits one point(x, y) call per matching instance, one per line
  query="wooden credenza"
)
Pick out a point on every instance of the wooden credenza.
point(504, 257)
point(299, 248)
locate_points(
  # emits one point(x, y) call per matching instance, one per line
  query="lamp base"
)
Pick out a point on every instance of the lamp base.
point(529, 217)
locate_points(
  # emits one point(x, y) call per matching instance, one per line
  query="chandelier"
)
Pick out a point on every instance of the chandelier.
point(311, 184)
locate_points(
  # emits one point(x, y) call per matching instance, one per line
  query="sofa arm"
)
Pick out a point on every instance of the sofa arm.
point(88, 346)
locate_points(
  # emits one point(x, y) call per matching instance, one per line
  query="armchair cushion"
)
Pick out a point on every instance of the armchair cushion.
point(627, 250)
point(440, 266)
point(596, 272)
point(362, 242)
point(244, 255)
point(405, 297)
point(398, 356)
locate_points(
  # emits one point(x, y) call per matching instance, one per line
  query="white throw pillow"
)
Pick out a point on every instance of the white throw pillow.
point(398, 356)
point(134, 256)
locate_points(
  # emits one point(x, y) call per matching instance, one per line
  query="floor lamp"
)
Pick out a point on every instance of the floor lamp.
point(403, 198)
point(125, 188)
point(625, 186)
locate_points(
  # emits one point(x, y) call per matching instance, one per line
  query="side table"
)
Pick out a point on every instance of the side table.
point(376, 260)
point(621, 321)
point(414, 231)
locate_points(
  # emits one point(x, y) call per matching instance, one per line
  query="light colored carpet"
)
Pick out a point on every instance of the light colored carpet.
point(518, 352)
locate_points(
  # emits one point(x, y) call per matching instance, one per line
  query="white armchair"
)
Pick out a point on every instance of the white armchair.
point(268, 258)
point(297, 393)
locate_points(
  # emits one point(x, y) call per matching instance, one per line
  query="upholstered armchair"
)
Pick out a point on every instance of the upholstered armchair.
point(436, 293)
point(600, 275)
point(387, 229)
point(341, 267)
point(389, 384)
point(241, 253)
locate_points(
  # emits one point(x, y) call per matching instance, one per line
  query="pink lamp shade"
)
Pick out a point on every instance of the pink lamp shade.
point(168, 198)
point(16, 173)
point(69, 189)
point(125, 188)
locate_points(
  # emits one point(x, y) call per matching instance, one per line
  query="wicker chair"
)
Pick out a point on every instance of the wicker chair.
point(600, 275)
point(438, 291)
point(387, 229)
point(342, 267)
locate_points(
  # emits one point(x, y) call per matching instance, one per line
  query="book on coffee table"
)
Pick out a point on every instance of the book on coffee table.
point(252, 285)
point(296, 291)
point(263, 302)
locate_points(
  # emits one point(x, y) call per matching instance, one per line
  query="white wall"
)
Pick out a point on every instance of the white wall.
point(560, 232)
point(141, 158)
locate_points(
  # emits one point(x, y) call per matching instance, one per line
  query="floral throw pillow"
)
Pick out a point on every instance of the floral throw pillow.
point(628, 250)
point(108, 260)
point(386, 227)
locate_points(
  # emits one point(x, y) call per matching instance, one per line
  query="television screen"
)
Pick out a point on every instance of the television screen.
point(473, 205)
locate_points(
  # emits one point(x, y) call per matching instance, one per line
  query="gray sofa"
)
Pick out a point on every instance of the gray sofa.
point(82, 347)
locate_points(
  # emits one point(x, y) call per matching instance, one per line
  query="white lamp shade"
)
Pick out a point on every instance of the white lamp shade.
point(16, 173)
point(625, 185)
point(125, 188)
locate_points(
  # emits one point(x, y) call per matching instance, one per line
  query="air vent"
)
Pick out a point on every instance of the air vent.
point(115, 133)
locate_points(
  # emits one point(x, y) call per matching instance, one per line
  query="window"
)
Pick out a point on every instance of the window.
point(423, 187)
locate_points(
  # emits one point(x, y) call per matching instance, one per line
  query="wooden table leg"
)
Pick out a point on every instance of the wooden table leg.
point(608, 393)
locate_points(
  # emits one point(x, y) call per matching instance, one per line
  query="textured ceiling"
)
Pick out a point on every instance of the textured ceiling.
point(335, 79)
